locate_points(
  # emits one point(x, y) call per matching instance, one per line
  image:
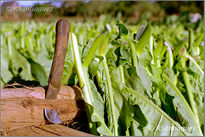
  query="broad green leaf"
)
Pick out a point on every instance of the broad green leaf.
point(145, 79)
point(183, 107)
point(161, 124)
point(20, 65)
point(38, 73)
point(43, 59)
point(6, 75)
point(158, 82)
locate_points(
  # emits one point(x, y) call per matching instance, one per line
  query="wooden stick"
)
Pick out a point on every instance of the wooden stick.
point(22, 107)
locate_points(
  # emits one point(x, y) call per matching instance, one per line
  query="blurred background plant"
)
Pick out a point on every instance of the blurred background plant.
point(129, 10)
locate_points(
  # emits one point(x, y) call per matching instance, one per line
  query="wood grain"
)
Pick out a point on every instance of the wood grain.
point(45, 130)
point(62, 130)
point(28, 131)
point(22, 107)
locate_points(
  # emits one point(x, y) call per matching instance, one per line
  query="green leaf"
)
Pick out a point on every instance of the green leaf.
point(183, 107)
point(198, 40)
point(125, 118)
point(68, 65)
point(134, 129)
point(6, 75)
point(113, 112)
point(73, 79)
point(43, 59)
point(95, 45)
point(144, 79)
point(144, 38)
point(18, 62)
point(139, 116)
point(158, 82)
point(38, 73)
point(159, 122)
point(89, 93)
point(179, 47)
point(94, 65)
point(104, 45)
point(122, 30)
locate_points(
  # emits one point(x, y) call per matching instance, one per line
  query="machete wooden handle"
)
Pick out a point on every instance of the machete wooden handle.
point(54, 81)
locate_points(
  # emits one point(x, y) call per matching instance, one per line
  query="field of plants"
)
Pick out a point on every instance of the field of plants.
point(137, 79)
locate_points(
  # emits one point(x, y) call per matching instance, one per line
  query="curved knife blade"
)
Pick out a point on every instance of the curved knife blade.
point(54, 81)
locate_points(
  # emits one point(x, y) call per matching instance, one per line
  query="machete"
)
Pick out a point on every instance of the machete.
point(54, 80)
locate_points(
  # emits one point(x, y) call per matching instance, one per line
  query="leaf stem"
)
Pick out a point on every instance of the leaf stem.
point(122, 74)
point(183, 99)
point(157, 108)
point(134, 55)
point(110, 92)
point(82, 80)
point(195, 63)
point(191, 98)
point(84, 84)
point(151, 45)
point(80, 71)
